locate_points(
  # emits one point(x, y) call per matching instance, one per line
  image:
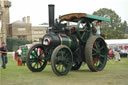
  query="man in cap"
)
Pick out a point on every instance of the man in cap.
point(4, 51)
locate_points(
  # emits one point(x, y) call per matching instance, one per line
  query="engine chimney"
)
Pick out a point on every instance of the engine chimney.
point(51, 15)
point(28, 19)
point(24, 19)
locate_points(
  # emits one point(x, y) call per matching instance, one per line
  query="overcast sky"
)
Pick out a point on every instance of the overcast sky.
point(38, 9)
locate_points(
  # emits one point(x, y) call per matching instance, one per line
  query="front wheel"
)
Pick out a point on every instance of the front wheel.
point(36, 61)
point(61, 60)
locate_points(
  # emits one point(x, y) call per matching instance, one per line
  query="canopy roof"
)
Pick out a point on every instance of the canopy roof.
point(74, 17)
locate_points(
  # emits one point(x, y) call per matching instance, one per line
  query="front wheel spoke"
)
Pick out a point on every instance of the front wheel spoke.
point(59, 67)
point(57, 59)
point(62, 53)
point(62, 68)
point(66, 61)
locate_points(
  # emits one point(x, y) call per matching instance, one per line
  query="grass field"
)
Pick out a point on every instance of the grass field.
point(115, 73)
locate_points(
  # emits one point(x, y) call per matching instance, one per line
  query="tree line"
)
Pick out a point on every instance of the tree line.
point(13, 43)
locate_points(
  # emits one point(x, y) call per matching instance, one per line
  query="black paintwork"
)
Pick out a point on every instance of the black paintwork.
point(54, 39)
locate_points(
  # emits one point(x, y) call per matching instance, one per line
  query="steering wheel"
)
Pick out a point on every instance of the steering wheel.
point(83, 28)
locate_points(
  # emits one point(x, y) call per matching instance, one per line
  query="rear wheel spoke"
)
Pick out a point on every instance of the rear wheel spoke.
point(102, 56)
point(102, 48)
point(100, 62)
point(96, 63)
point(94, 49)
point(93, 54)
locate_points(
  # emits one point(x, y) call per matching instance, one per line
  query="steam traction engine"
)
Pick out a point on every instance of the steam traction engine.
point(67, 47)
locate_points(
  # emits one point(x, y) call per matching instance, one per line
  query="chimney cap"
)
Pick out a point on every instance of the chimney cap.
point(51, 5)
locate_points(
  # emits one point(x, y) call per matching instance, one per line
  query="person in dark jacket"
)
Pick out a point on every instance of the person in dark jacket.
point(4, 51)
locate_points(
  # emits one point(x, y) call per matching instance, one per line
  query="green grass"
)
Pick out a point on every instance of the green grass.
point(115, 73)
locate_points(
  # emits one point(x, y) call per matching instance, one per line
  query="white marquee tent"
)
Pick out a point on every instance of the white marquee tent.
point(117, 42)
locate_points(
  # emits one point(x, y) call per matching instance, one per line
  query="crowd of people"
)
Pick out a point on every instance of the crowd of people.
point(117, 52)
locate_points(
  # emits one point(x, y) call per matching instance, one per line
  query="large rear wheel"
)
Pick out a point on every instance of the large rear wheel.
point(96, 53)
point(36, 61)
point(61, 60)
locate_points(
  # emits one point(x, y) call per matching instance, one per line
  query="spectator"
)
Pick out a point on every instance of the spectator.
point(19, 60)
point(125, 47)
point(4, 51)
point(116, 48)
point(98, 28)
point(121, 47)
point(117, 55)
point(19, 51)
point(111, 55)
